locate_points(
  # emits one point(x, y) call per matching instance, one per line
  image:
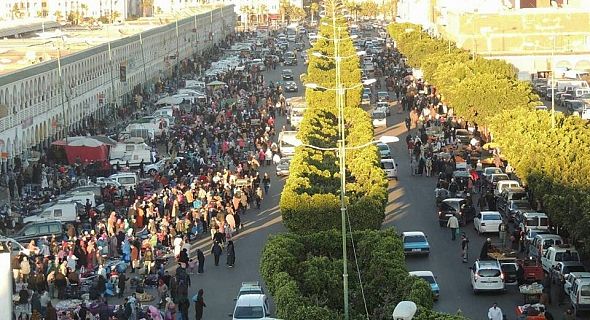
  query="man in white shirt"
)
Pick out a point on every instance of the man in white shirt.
point(495, 313)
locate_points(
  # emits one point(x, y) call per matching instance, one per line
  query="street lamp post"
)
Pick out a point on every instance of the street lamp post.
point(553, 84)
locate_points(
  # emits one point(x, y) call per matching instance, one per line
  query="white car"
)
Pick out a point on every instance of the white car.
point(379, 118)
point(486, 275)
point(160, 165)
point(487, 221)
point(390, 168)
point(251, 306)
point(383, 105)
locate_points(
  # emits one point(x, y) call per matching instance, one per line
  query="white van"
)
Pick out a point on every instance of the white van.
point(577, 288)
point(126, 179)
point(79, 196)
point(65, 211)
point(542, 242)
point(390, 168)
point(168, 111)
point(132, 150)
point(534, 220)
point(556, 254)
point(287, 143)
point(379, 119)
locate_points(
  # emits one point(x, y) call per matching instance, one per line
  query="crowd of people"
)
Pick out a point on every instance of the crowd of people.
point(224, 144)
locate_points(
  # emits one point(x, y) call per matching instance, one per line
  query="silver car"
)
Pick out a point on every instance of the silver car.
point(283, 167)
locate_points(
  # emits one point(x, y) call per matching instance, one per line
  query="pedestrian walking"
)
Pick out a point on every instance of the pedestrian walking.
point(453, 224)
point(201, 261)
point(464, 247)
point(231, 254)
point(199, 304)
point(495, 313)
point(216, 252)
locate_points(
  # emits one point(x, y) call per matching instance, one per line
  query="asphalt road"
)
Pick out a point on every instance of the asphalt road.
point(221, 284)
point(411, 207)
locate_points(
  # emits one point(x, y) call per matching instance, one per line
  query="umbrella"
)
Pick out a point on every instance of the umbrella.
point(85, 142)
point(216, 83)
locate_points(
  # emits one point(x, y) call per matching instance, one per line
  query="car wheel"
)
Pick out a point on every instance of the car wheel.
point(152, 172)
point(475, 291)
point(441, 224)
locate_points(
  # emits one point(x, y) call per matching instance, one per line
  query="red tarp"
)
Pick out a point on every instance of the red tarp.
point(87, 154)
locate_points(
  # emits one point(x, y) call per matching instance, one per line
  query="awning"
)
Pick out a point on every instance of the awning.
point(170, 101)
point(216, 83)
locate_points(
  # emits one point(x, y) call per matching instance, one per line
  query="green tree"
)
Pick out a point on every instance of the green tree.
point(369, 9)
point(313, 9)
point(147, 7)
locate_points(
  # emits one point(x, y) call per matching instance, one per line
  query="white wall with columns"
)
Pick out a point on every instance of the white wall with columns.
point(33, 99)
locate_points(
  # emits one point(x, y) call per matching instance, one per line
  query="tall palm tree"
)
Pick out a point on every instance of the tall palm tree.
point(247, 10)
point(264, 12)
point(283, 7)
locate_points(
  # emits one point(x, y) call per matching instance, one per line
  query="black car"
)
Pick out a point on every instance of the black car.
point(513, 207)
point(290, 61)
point(287, 74)
point(510, 272)
point(38, 229)
point(291, 86)
point(461, 208)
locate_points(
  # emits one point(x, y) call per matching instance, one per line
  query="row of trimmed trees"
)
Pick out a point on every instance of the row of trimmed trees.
point(554, 162)
point(303, 268)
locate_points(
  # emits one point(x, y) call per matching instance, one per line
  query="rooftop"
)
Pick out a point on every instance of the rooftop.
point(40, 47)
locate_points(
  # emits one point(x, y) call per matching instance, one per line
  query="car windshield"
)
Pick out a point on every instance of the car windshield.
point(492, 217)
point(509, 267)
point(387, 165)
point(500, 177)
point(567, 256)
point(570, 269)
point(248, 312)
point(489, 273)
point(521, 205)
point(429, 279)
point(383, 147)
point(585, 290)
point(411, 239)
point(378, 115)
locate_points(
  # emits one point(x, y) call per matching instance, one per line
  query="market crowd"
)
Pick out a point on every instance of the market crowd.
point(146, 231)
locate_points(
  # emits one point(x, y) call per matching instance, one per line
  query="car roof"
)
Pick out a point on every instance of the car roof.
point(453, 199)
point(251, 299)
point(488, 263)
point(422, 273)
point(535, 214)
point(387, 160)
point(287, 70)
point(585, 275)
point(413, 233)
point(548, 236)
point(571, 263)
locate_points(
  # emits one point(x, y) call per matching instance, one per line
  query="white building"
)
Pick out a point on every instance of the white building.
point(34, 111)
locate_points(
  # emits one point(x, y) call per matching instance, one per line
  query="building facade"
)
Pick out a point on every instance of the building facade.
point(34, 110)
point(534, 35)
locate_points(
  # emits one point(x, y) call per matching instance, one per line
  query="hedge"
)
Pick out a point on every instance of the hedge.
point(304, 275)
point(310, 199)
point(553, 162)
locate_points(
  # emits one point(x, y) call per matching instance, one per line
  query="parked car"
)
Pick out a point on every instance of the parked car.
point(510, 272)
point(486, 275)
point(390, 168)
point(415, 242)
point(577, 288)
point(39, 229)
point(382, 96)
point(384, 150)
point(291, 86)
point(487, 221)
point(283, 167)
point(379, 118)
point(514, 207)
point(461, 208)
point(287, 74)
point(563, 268)
point(429, 277)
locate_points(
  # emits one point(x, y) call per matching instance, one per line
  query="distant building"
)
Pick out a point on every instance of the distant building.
point(527, 33)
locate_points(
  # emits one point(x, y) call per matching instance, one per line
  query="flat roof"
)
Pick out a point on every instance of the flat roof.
point(42, 48)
